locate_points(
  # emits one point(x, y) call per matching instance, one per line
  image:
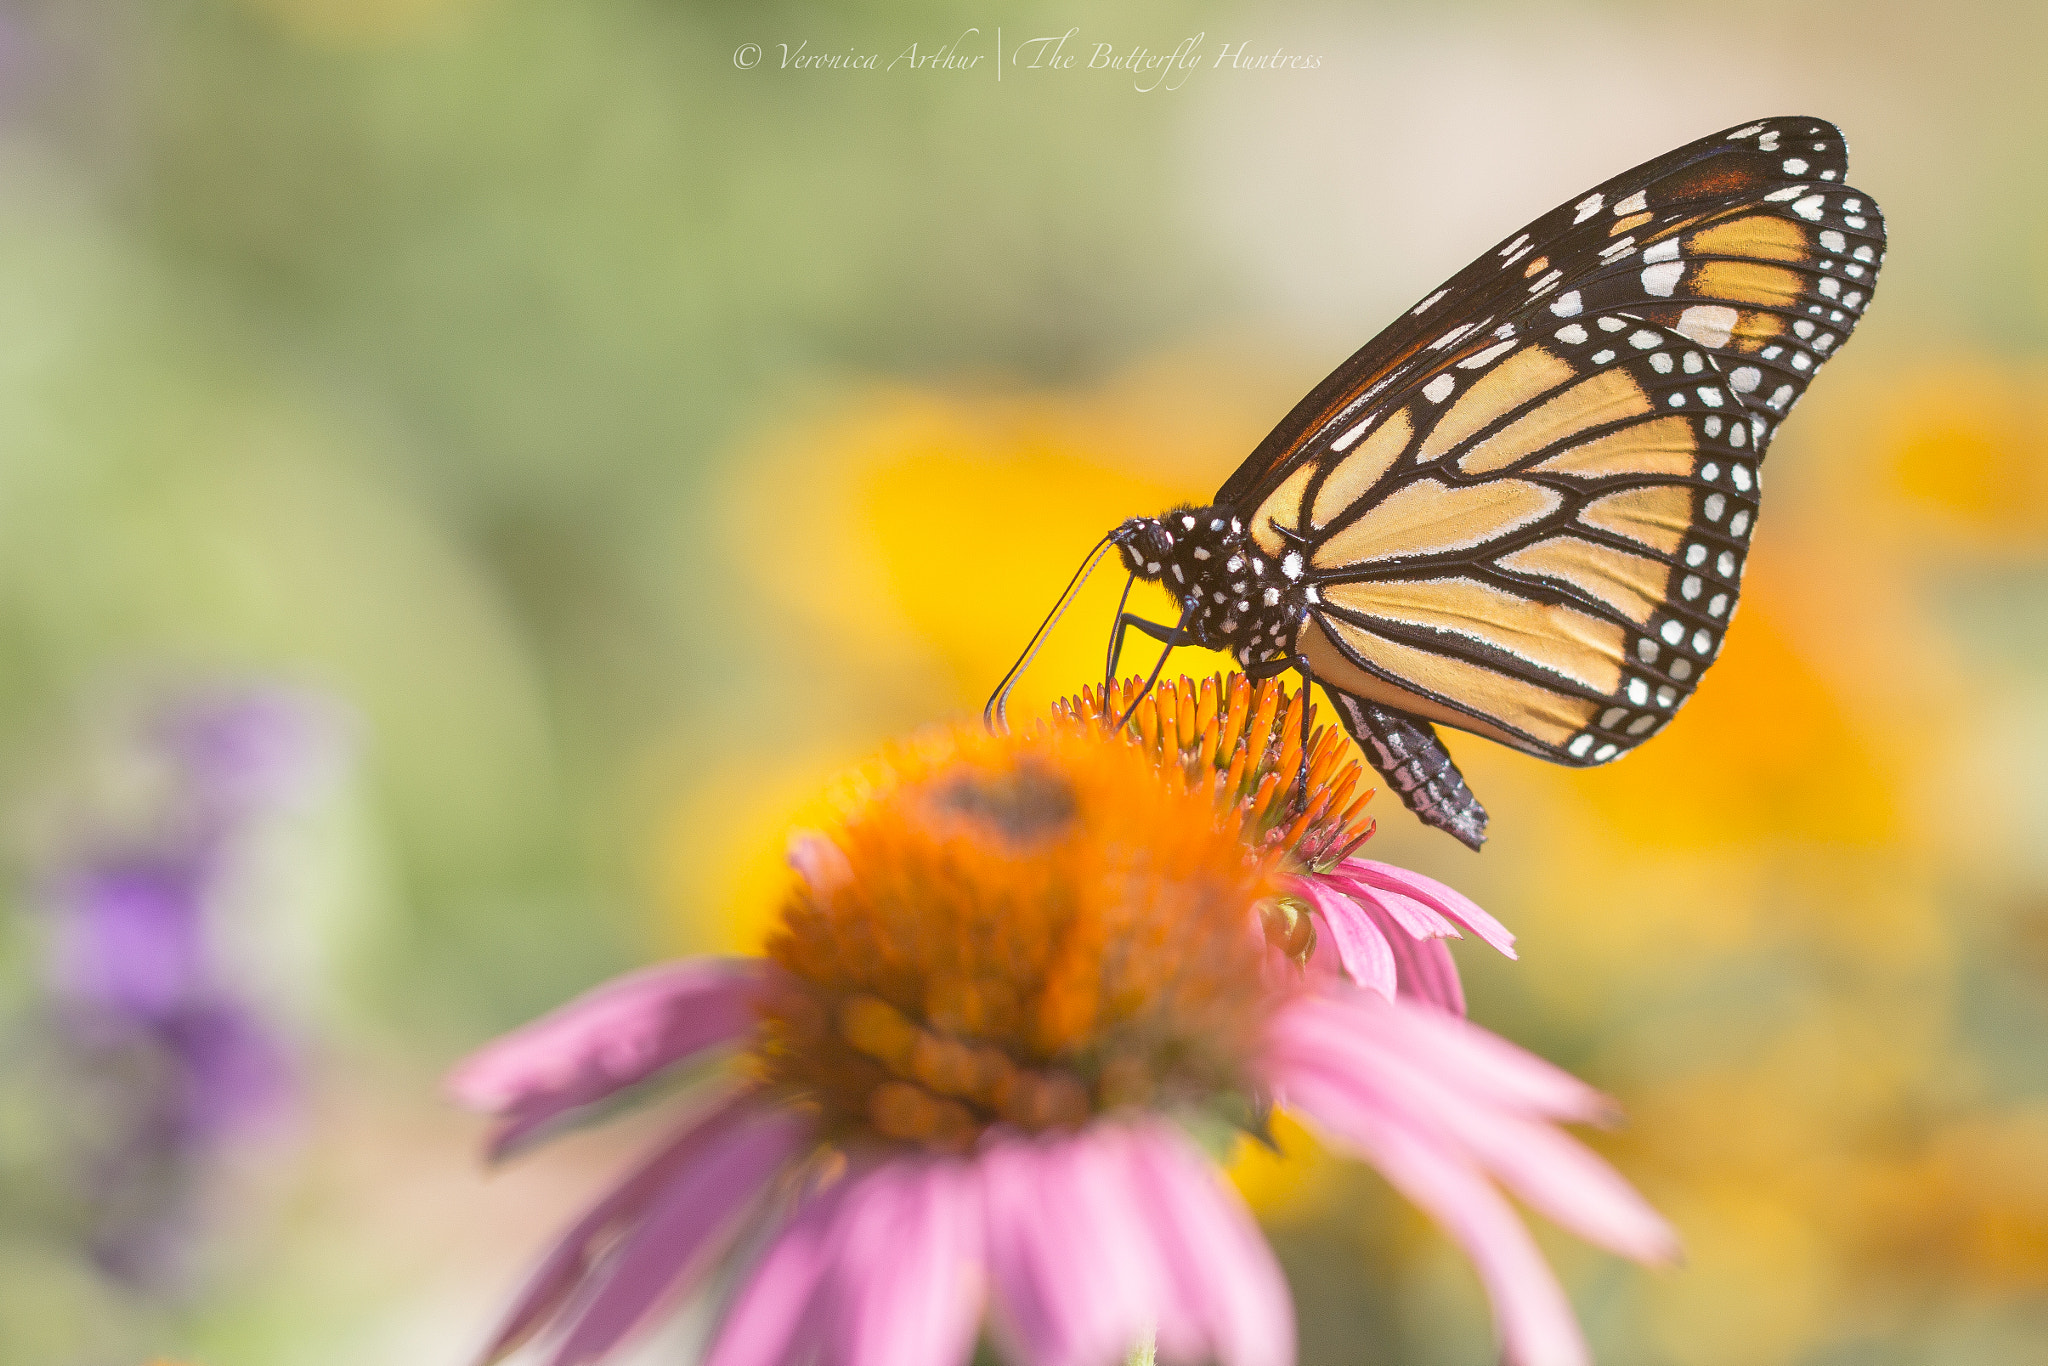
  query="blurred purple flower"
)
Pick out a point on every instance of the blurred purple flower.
point(142, 1013)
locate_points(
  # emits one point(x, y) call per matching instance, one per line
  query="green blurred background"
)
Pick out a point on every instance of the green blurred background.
point(631, 439)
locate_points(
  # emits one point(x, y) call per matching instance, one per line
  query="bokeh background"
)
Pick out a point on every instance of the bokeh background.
point(531, 452)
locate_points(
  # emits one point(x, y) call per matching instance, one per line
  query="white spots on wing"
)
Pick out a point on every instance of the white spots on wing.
point(1712, 427)
point(1427, 302)
point(1676, 400)
point(1725, 564)
point(1745, 379)
point(1690, 589)
point(1271, 597)
point(1853, 299)
point(1681, 669)
point(1635, 203)
point(1516, 247)
point(1661, 280)
point(1708, 324)
point(1781, 396)
point(1802, 329)
point(1447, 338)
point(1673, 633)
point(1291, 566)
point(1768, 142)
point(1831, 287)
point(1666, 250)
point(1702, 643)
point(1642, 339)
point(1858, 223)
point(1587, 207)
point(1646, 650)
point(1795, 166)
point(1716, 504)
point(1605, 752)
point(1566, 305)
point(1802, 361)
point(1201, 553)
point(1852, 206)
point(1352, 433)
point(1580, 744)
point(1611, 324)
point(1661, 362)
point(1695, 555)
point(1571, 335)
point(1780, 196)
point(1439, 389)
point(1612, 717)
point(1694, 362)
point(1739, 523)
point(1741, 478)
point(1639, 692)
point(1614, 251)
point(1827, 174)
point(1641, 724)
point(1865, 253)
point(1718, 606)
point(1484, 358)
point(1547, 283)
point(1809, 208)
point(1826, 340)
point(1709, 395)
point(1667, 696)
point(1854, 272)
point(1753, 129)
point(1602, 357)
point(1834, 241)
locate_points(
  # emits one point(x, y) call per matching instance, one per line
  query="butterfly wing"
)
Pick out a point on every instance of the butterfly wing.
point(1526, 505)
point(1543, 546)
point(1732, 239)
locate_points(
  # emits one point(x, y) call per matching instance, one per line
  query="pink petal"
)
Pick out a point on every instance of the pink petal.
point(1535, 1319)
point(774, 1302)
point(1065, 1250)
point(909, 1278)
point(566, 1265)
point(1419, 919)
point(1230, 1302)
point(1539, 1162)
point(610, 1038)
point(684, 1227)
point(1454, 904)
point(1361, 948)
point(1484, 1063)
point(1427, 973)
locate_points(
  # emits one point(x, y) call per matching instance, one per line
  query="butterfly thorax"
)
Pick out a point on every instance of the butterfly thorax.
point(1234, 596)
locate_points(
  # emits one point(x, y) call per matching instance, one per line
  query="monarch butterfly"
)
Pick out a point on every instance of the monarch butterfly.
point(1523, 509)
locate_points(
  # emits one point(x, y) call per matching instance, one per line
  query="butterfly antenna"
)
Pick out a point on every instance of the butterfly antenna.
point(1179, 632)
point(992, 714)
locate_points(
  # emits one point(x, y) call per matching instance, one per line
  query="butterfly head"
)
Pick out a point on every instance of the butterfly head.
point(1146, 544)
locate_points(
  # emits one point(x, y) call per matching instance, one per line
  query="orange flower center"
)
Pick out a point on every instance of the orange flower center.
point(1022, 930)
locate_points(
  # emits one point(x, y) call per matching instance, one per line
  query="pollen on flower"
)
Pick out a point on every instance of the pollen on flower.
point(1239, 744)
point(1026, 930)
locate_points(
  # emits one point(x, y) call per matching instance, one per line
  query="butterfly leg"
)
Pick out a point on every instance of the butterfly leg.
point(1167, 635)
point(1407, 752)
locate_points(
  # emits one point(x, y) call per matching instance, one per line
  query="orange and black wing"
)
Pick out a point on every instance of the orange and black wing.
point(1526, 507)
point(1748, 241)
